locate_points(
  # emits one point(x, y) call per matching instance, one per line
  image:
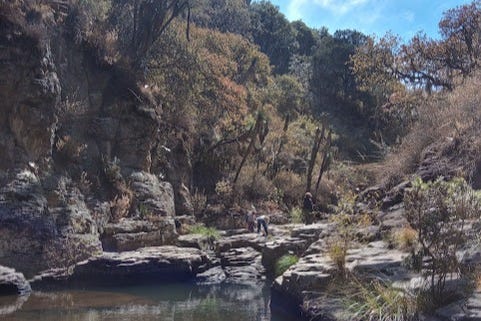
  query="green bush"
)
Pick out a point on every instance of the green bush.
point(296, 215)
point(284, 263)
point(209, 232)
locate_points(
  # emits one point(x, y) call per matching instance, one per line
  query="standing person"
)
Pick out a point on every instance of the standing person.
point(261, 221)
point(250, 219)
point(307, 208)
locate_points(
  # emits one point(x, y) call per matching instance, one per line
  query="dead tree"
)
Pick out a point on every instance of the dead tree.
point(319, 138)
point(326, 159)
point(257, 132)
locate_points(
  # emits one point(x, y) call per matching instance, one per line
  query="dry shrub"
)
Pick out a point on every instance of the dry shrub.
point(406, 238)
point(348, 176)
point(70, 148)
point(290, 185)
point(337, 251)
point(225, 192)
point(199, 201)
point(448, 123)
point(84, 183)
point(253, 186)
point(326, 195)
point(120, 207)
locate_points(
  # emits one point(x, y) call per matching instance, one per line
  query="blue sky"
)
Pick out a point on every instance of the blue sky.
point(372, 17)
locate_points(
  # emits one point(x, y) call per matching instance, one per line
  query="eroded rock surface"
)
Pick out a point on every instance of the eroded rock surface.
point(149, 264)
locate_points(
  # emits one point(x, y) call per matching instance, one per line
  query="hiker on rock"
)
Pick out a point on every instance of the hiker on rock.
point(308, 208)
point(262, 221)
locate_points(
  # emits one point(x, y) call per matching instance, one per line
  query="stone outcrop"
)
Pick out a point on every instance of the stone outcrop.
point(130, 234)
point(71, 131)
point(153, 221)
point(39, 219)
point(242, 265)
point(12, 282)
point(146, 265)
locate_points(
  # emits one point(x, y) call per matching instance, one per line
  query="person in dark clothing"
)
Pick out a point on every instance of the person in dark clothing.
point(261, 221)
point(307, 208)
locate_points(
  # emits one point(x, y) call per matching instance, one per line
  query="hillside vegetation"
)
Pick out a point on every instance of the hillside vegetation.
point(151, 110)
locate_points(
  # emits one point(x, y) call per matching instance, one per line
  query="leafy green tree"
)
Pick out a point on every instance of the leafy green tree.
point(223, 15)
point(307, 38)
point(274, 34)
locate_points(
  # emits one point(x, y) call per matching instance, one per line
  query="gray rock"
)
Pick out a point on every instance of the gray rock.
point(130, 234)
point(256, 241)
point(39, 220)
point(312, 232)
point(197, 241)
point(274, 250)
point(155, 197)
point(12, 282)
point(376, 260)
point(215, 275)
point(392, 218)
point(146, 265)
point(242, 266)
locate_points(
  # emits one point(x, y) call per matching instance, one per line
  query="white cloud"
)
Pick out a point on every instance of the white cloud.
point(295, 9)
point(340, 7)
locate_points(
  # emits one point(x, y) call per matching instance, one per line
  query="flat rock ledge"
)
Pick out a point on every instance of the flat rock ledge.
point(12, 282)
point(303, 287)
point(145, 265)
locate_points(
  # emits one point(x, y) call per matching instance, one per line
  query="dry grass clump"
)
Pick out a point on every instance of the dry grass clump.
point(337, 252)
point(406, 238)
point(383, 302)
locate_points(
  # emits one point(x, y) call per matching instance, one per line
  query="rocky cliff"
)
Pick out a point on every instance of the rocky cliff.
point(81, 150)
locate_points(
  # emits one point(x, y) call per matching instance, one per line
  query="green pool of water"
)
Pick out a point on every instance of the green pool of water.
point(173, 302)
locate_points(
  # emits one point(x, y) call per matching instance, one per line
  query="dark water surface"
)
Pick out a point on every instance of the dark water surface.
point(174, 302)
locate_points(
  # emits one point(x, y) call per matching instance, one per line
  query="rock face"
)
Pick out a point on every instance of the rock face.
point(70, 131)
point(155, 197)
point(153, 224)
point(12, 282)
point(129, 234)
point(40, 219)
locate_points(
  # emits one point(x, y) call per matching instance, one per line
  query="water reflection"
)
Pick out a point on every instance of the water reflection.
point(175, 302)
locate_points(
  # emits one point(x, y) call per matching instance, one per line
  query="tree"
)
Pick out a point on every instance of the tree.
point(273, 33)
point(223, 15)
point(307, 38)
point(140, 23)
point(333, 83)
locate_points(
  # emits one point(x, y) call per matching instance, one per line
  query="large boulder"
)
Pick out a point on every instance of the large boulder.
point(154, 197)
point(153, 223)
